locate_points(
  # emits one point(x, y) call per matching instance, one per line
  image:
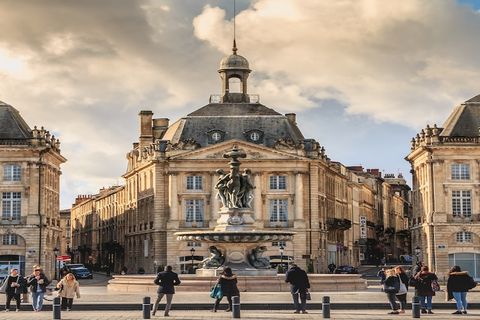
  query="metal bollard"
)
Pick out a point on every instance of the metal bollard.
point(56, 309)
point(326, 307)
point(236, 307)
point(415, 307)
point(146, 307)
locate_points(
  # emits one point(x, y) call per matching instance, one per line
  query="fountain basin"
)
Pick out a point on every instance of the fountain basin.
point(244, 236)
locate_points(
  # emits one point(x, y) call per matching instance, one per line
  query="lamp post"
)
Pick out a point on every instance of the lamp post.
point(417, 253)
point(281, 248)
point(56, 251)
point(192, 251)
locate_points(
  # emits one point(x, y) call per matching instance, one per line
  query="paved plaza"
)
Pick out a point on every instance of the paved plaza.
point(262, 315)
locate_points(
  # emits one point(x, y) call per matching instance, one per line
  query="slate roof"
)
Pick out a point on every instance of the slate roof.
point(235, 121)
point(12, 125)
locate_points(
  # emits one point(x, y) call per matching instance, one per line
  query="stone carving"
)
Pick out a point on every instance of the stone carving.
point(235, 189)
point(215, 260)
point(257, 260)
point(188, 144)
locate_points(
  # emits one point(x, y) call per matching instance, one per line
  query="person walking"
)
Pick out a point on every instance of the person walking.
point(299, 286)
point(68, 289)
point(403, 289)
point(458, 284)
point(228, 284)
point(14, 287)
point(391, 287)
point(38, 283)
point(166, 281)
point(423, 281)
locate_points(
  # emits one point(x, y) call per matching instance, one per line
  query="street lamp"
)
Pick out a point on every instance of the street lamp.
point(281, 248)
point(192, 251)
point(56, 251)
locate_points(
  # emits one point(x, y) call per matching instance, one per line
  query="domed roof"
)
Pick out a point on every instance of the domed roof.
point(234, 61)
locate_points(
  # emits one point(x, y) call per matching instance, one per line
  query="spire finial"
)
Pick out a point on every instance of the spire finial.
point(234, 49)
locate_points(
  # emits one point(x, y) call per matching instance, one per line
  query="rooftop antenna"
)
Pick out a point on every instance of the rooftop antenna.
point(234, 49)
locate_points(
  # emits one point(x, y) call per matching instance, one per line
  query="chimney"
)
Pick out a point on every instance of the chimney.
point(160, 125)
point(292, 118)
point(146, 130)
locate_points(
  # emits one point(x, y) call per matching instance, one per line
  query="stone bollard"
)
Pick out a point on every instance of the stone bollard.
point(56, 309)
point(236, 307)
point(326, 307)
point(146, 308)
point(415, 307)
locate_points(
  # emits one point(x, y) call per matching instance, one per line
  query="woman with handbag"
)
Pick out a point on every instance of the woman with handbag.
point(14, 285)
point(228, 285)
point(68, 289)
point(391, 287)
point(458, 284)
point(426, 285)
point(403, 289)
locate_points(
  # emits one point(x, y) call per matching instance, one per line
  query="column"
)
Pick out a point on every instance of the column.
point(298, 197)
point(214, 202)
point(173, 196)
point(257, 198)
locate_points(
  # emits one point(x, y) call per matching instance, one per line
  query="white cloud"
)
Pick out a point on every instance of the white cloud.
point(388, 61)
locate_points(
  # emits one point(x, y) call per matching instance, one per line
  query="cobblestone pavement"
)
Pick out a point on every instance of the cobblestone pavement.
point(198, 315)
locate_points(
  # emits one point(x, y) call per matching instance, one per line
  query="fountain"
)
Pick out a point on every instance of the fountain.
point(235, 242)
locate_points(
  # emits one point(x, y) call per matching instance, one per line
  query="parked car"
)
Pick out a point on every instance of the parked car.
point(81, 273)
point(406, 258)
point(345, 270)
point(74, 265)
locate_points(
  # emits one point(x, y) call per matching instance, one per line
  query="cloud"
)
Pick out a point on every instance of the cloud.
point(388, 62)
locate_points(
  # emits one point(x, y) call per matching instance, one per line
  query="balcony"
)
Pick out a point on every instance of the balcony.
point(461, 219)
point(13, 220)
point(339, 224)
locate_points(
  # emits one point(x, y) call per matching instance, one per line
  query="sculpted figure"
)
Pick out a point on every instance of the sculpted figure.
point(246, 187)
point(221, 186)
point(215, 260)
point(257, 260)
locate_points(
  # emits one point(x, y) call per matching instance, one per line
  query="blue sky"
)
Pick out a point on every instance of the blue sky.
point(363, 76)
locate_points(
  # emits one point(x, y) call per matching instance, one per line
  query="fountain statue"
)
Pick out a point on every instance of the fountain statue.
point(234, 241)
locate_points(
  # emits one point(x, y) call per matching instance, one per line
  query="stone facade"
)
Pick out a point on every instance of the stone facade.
point(446, 178)
point(30, 162)
point(171, 177)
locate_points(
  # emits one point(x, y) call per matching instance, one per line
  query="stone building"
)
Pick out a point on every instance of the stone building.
point(446, 183)
point(66, 238)
point(171, 176)
point(30, 162)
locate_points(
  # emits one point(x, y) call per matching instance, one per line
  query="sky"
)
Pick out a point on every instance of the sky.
point(363, 76)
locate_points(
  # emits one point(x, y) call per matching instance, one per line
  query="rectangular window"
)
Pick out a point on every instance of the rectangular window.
point(279, 212)
point(278, 182)
point(464, 236)
point(461, 203)
point(12, 172)
point(281, 243)
point(460, 171)
point(194, 183)
point(11, 205)
point(194, 212)
point(10, 239)
point(194, 244)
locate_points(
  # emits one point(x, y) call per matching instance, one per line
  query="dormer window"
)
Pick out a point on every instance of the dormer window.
point(255, 136)
point(215, 136)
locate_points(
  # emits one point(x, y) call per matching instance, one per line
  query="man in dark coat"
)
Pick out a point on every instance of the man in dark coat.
point(299, 286)
point(166, 281)
point(14, 287)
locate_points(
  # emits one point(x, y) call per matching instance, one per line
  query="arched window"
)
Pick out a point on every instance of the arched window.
point(464, 236)
point(234, 85)
point(10, 239)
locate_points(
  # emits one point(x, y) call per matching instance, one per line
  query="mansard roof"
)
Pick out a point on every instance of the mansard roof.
point(12, 125)
point(234, 121)
point(464, 121)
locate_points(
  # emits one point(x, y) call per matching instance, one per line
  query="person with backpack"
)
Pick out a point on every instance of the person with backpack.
point(391, 287)
point(426, 285)
point(299, 286)
point(228, 285)
point(166, 281)
point(14, 285)
point(458, 284)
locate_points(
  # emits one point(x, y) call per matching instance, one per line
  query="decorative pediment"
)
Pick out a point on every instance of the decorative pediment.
point(254, 152)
